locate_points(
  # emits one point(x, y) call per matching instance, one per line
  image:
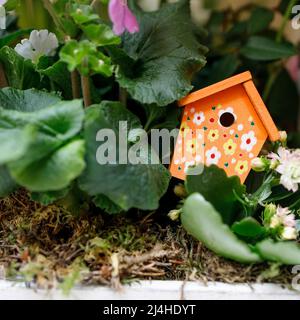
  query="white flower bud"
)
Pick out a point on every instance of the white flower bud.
point(260, 164)
point(174, 214)
point(283, 137)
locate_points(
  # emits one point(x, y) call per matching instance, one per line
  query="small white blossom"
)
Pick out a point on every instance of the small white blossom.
point(286, 220)
point(288, 167)
point(289, 233)
point(2, 14)
point(40, 43)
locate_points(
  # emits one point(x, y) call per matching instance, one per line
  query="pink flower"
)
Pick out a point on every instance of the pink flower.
point(121, 17)
point(293, 67)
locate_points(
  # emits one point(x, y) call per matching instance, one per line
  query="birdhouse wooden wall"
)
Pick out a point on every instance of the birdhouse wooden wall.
point(222, 128)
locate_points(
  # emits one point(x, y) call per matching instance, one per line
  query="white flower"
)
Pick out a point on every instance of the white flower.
point(289, 167)
point(248, 141)
point(40, 43)
point(2, 14)
point(283, 217)
point(198, 118)
point(213, 156)
point(275, 222)
point(289, 233)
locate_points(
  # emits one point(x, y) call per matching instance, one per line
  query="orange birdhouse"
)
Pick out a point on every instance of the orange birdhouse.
point(225, 124)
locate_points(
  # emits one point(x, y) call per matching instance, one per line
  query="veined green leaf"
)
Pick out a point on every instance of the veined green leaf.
point(163, 56)
point(127, 185)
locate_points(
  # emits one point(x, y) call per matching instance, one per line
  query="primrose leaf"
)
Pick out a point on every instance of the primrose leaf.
point(60, 76)
point(39, 140)
point(7, 184)
point(54, 171)
point(27, 101)
point(12, 37)
point(162, 57)
point(86, 58)
point(218, 189)
point(46, 198)
point(265, 49)
point(200, 219)
point(104, 203)
point(127, 185)
point(15, 142)
point(20, 73)
point(286, 252)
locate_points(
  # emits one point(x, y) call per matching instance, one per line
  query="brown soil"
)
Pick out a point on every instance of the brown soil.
point(48, 247)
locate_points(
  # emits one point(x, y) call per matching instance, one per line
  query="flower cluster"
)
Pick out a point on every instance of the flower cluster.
point(281, 221)
point(285, 162)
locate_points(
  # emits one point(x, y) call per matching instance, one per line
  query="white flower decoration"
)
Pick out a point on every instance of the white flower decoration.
point(199, 118)
point(2, 14)
point(213, 156)
point(40, 43)
point(248, 141)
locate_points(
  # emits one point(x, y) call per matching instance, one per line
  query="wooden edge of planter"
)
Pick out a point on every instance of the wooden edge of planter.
point(154, 290)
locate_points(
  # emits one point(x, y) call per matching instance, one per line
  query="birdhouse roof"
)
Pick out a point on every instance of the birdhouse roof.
point(244, 79)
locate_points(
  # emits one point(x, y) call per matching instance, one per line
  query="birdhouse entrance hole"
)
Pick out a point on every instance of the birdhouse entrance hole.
point(227, 119)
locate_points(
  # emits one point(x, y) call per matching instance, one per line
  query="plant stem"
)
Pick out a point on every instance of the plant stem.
point(57, 21)
point(123, 96)
point(3, 80)
point(75, 84)
point(285, 19)
point(86, 90)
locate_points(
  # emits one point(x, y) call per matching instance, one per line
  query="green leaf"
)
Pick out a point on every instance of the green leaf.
point(162, 57)
point(248, 228)
point(265, 49)
point(20, 73)
point(214, 181)
point(85, 57)
point(7, 184)
point(127, 185)
point(285, 252)
point(60, 76)
point(47, 198)
point(15, 142)
point(223, 69)
point(202, 221)
point(27, 101)
point(278, 103)
point(83, 14)
point(11, 37)
point(259, 20)
point(40, 146)
point(101, 34)
point(104, 203)
point(53, 172)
